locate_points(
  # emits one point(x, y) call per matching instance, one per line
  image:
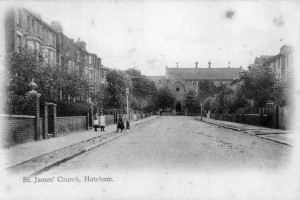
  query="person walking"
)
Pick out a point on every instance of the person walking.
point(102, 122)
point(120, 124)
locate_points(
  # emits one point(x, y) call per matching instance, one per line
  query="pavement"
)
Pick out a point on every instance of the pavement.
point(276, 135)
point(35, 156)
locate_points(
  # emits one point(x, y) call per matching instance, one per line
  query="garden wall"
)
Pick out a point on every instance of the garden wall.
point(70, 124)
point(17, 129)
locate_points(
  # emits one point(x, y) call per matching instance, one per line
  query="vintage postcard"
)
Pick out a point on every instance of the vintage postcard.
point(149, 99)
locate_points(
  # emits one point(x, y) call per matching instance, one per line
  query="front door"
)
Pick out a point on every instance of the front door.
point(178, 107)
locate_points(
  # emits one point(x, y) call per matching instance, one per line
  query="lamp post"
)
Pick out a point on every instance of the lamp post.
point(127, 122)
point(201, 109)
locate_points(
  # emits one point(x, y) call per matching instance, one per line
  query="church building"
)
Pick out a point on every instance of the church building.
point(181, 80)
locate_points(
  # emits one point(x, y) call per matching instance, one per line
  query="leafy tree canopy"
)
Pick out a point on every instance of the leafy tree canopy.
point(25, 65)
point(192, 102)
point(115, 91)
point(258, 84)
point(165, 98)
point(143, 91)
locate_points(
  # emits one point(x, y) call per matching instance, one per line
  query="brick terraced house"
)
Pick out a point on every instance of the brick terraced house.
point(26, 29)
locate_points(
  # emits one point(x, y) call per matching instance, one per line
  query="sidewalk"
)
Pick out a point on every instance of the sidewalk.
point(24, 152)
point(275, 135)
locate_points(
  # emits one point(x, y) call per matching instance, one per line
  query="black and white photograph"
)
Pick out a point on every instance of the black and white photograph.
point(153, 99)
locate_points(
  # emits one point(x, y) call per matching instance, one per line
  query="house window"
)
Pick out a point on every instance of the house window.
point(59, 59)
point(30, 44)
point(47, 37)
point(90, 59)
point(45, 54)
point(38, 46)
point(53, 40)
point(28, 23)
point(19, 42)
point(91, 74)
point(51, 53)
point(69, 66)
point(32, 26)
point(38, 30)
point(43, 33)
point(19, 16)
point(54, 58)
point(283, 63)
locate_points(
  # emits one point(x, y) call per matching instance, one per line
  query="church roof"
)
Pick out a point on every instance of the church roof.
point(203, 73)
point(156, 78)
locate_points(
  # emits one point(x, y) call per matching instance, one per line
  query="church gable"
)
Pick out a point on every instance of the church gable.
point(179, 90)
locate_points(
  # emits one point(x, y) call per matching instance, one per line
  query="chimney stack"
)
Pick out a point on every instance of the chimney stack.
point(56, 25)
point(81, 44)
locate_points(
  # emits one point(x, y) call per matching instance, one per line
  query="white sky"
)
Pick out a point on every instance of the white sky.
point(150, 35)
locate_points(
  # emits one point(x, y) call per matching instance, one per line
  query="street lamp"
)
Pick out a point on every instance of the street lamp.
point(127, 122)
point(201, 109)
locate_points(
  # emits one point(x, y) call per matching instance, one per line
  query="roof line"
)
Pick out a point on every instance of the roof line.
point(205, 68)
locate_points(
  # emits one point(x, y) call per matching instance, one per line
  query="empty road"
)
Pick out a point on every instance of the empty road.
point(181, 143)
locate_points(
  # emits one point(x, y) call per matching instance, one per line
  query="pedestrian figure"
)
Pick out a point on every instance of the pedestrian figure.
point(102, 122)
point(96, 122)
point(120, 124)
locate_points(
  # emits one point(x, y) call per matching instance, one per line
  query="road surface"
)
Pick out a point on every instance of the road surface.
point(181, 143)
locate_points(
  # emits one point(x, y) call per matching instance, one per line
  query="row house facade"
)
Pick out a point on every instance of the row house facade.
point(26, 29)
point(283, 62)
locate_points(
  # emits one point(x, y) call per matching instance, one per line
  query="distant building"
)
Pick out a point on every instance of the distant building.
point(261, 59)
point(181, 80)
point(282, 62)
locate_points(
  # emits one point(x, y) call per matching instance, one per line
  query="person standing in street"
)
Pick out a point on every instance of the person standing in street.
point(102, 122)
point(96, 122)
point(120, 124)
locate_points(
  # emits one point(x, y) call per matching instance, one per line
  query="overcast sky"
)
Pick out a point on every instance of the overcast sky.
point(151, 35)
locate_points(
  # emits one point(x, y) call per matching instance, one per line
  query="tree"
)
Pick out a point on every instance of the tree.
point(165, 98)
point(225, 97)
point(207, 103)
point(258, 84)
point(23, 66)
point(192, 102)
point(239, 100)
point(115, 94)
point(206, 89)
point(143, 91)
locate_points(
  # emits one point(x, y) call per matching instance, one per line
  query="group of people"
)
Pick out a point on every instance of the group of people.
point(100, 123)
